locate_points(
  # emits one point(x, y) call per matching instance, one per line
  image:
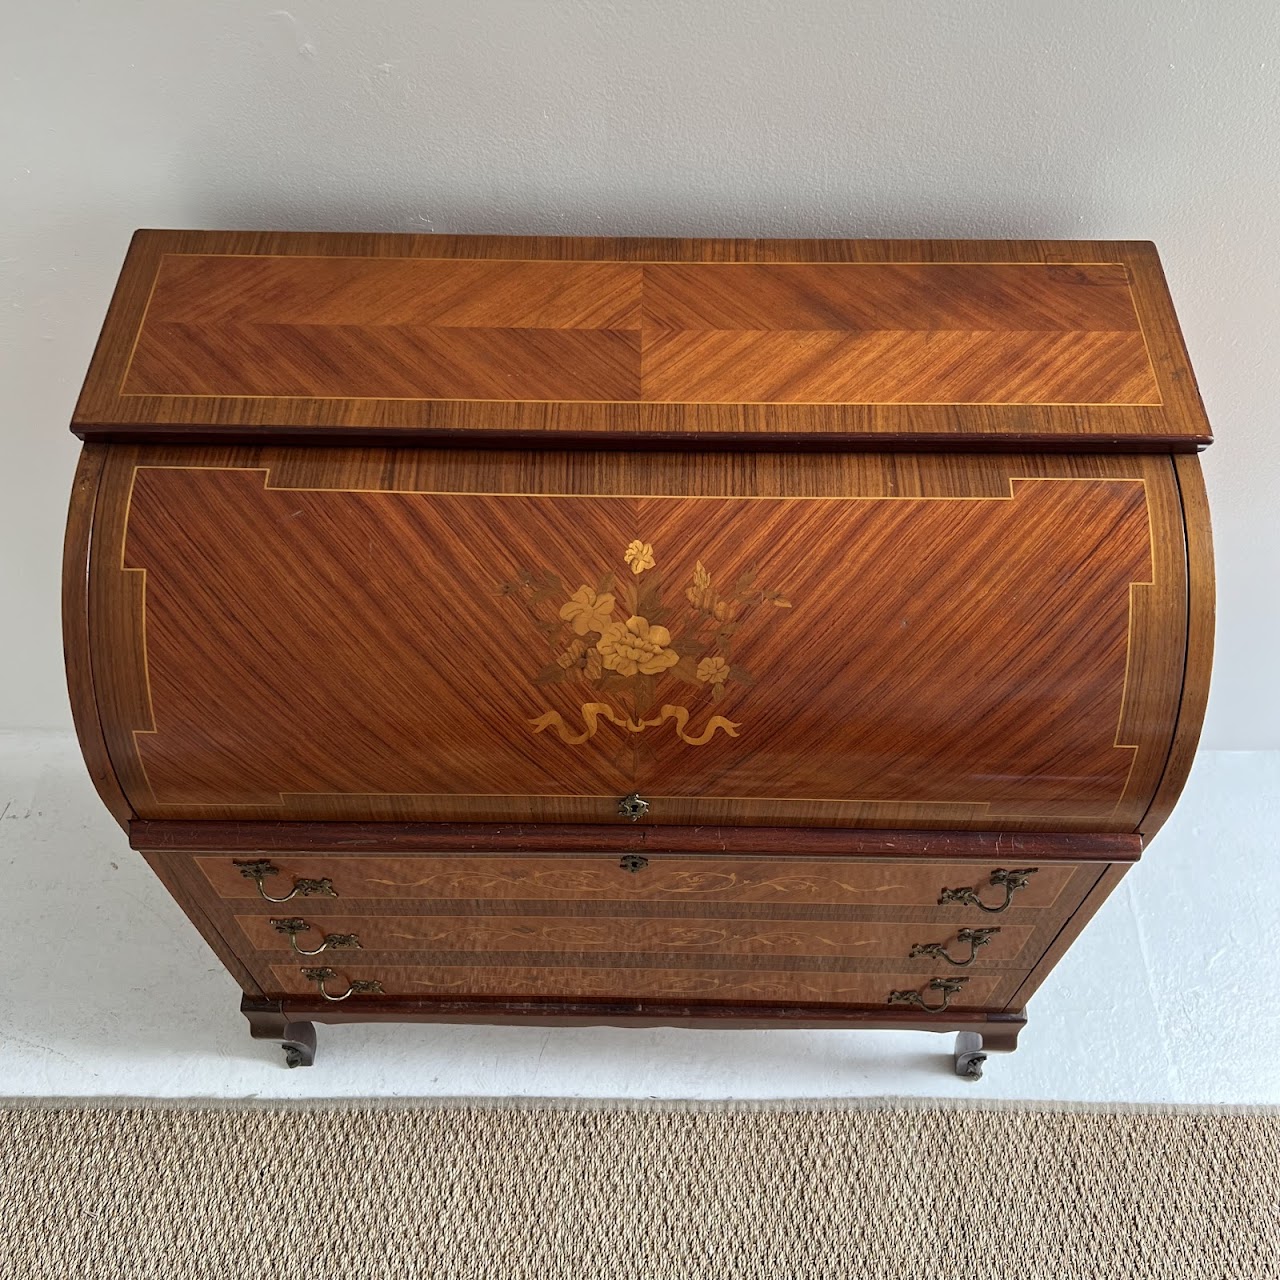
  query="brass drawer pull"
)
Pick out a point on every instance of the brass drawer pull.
point(1011, 880)
point(332, 941)
point(632, 862)
point(258, 872)
point(948, 987)
point(938, 950)
point(363, 987)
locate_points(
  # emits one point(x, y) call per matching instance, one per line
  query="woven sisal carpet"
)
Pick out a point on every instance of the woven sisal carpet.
point(646, 1191)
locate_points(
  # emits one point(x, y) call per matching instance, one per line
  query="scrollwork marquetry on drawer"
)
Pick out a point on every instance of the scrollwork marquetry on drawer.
point(408, 982)
point(664, 879)
point(821, 941)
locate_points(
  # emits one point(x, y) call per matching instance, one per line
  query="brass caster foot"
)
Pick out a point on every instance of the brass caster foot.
point(969, 1055)
point(299, 1044)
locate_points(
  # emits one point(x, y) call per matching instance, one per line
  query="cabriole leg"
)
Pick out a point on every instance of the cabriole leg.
point(268, 1021)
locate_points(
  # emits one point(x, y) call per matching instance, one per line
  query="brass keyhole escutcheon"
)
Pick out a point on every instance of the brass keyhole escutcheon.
point(633, 862)
point(633, 807)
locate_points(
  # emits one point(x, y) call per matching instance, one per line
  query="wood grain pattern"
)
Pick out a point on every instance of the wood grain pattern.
point(475, 837)
point(999, 1028)
point(764, 914)
point(1026, 680)
point(1008, 947)
point(1199, 660)
point(76, 639)
point(667, 879)
point(848, 674)
point(981, 990)
point(237, 334)
point(698, 333)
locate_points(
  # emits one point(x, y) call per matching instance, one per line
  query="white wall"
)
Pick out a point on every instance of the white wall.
point(1144, 119)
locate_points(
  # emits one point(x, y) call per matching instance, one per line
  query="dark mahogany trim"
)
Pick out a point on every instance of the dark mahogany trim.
point(800, 442)
point(77, 634)
point(657, 1013)
point(1198, 661)
point(429, 837)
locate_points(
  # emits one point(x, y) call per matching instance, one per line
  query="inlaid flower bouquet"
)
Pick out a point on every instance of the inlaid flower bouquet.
point(622, 638)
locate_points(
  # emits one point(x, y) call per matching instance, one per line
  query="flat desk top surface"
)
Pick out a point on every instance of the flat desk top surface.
point(255, 336)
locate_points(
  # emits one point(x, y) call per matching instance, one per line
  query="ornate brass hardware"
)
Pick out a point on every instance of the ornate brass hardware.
point(332, 941)
point(948, 987)
point(632, 862)
point(938, 950)
point(1011, 880)
point(362, 987)
point(633, 807)
point(257, 871)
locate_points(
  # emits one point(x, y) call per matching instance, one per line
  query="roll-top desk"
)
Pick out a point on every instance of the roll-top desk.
point(708, 632)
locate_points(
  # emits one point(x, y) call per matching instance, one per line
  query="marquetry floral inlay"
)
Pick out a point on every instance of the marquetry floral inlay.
point(655, 884)
point(622, 639)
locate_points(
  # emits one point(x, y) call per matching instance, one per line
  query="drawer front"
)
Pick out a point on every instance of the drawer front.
point(924, 945)
point(666, 879)
point(427, 982)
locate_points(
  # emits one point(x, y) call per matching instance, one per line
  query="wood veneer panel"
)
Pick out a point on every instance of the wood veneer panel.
point(76, 635)
point(1199, 659)
point(924, 341)
point(666, 879)
point(307, 642)
point(1007, 946)
point(901, 297)
point(981, 989)
point(826, 367)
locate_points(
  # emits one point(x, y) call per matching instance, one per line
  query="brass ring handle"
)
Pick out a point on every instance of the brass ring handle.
point(1011, 880)
point(362, 987)
point(257, 871)
point(332, 941)
point(938, 950)
point(948, 987)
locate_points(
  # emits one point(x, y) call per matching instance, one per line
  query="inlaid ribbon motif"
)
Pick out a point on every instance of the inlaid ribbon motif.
point(594, 712)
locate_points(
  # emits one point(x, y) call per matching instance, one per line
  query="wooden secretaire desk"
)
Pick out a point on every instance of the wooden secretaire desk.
point(733, 633)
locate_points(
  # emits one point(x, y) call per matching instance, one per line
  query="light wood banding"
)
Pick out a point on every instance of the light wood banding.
point(668, 879)
point(1028, 685)
point(234, 334)
point(863, 575)
point(856, 941)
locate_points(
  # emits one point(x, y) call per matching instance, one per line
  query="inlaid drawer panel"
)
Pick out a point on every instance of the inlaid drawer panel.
point(991, 989)
point(957, 887)
point(763, 940)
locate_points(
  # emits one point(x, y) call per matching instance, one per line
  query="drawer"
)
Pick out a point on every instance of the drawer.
point(958, 889)
point(991, 989)
point(992, 946)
